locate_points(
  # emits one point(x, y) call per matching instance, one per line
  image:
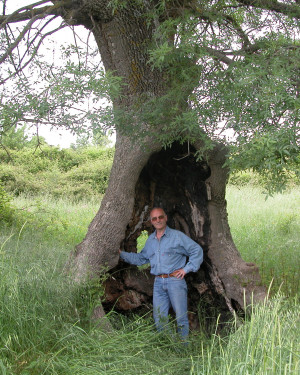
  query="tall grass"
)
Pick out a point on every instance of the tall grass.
point(267, 231)
point(45, 325)
point(267, 343)
point(55, 219)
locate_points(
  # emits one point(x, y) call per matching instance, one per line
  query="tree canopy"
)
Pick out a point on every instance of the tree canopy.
point(231, 69)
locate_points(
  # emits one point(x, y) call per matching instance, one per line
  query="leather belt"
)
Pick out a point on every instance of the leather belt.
point(166, 275)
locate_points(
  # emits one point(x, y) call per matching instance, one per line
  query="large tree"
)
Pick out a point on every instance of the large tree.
point(182, 74)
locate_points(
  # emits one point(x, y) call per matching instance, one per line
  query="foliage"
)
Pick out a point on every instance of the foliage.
point(14, 138)
point(96, 138)
point(79, 173)
point(250, 102)
point(6, 210)
point(74, 95)
point(251, 178)
point(274, 155)
point(230, 72)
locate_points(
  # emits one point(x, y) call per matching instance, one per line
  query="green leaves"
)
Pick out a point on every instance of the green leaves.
point(274, 154)
point(76, 173)
point(6, 211)
point(227, 72)
point(76, 94)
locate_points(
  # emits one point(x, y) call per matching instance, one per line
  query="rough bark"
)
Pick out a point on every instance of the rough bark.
point(122, 44)
point(192, 192)
point(193, 195)
point(99, 250)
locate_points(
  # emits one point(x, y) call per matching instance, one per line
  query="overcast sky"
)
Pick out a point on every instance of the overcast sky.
point(62, 138)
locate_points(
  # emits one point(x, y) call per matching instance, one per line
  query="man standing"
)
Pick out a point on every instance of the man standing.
point(167, 251)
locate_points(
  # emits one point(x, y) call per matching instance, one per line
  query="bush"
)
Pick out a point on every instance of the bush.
point(244, 178)
point(73, 173)
point(94, 174)
point(251, 178)
point(6, 210)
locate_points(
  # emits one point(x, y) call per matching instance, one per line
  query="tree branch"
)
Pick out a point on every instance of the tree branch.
point(30, 11)
point(6, 150)
point(19, 38)
point(20, 68)
point(238, 29)
point(291, 10)
point(221, 56)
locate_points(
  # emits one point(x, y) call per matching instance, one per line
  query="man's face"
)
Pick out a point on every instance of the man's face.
point(158, 219)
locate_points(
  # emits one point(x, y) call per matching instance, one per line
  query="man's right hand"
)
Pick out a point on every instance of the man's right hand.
point(179, 273)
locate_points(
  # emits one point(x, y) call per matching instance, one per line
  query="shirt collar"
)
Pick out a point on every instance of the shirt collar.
point(166, 233)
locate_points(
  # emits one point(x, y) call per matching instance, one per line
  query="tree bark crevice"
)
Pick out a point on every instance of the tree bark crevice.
point(179, 185)
point(144, 176)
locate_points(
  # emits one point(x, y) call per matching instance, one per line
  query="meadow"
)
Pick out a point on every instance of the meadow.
point(45, 325)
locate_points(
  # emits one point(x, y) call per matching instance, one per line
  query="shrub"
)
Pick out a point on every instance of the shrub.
point(73, 173)
point(244, 178)
point(94, 174)
point(7, 173)
point(6, 210)
point(252, 178)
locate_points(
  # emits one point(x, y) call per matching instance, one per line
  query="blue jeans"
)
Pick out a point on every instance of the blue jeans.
point(170, 292)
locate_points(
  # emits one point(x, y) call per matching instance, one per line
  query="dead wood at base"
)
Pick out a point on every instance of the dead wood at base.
point(193, 195)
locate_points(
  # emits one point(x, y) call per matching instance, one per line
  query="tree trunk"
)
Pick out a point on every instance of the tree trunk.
point(193, 195)
point(191, 192)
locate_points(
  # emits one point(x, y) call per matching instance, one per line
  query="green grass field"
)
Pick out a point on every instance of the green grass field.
point(267, 232)
point(44, 318)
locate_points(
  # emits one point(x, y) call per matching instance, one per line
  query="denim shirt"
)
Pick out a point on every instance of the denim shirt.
point(167, 254)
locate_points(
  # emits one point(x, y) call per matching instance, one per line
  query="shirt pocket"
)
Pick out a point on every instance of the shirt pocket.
point(173, 255)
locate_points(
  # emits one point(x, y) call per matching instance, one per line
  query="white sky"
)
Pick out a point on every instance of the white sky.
point(61, 137)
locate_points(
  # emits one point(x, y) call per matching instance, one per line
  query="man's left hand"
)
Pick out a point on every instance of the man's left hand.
point(179, 273)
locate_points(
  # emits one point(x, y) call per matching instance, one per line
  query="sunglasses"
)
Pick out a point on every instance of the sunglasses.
point(160, 217)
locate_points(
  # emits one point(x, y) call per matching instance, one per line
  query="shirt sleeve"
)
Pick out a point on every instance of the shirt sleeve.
point(137, 259)
point(195, 253)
